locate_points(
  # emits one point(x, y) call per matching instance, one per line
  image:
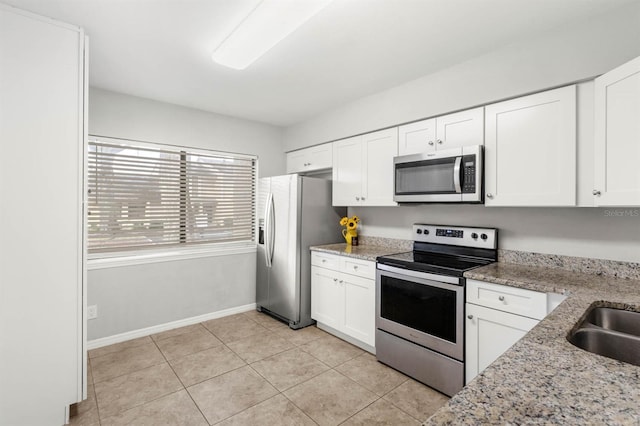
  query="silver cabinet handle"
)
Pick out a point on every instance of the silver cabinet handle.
point(341, 282)
point(324, 260)
point(362, 198)
point(357, 198)
point(335, 279)
point(355, 266)
point(489, 195)
point(501, 298)
point(596, 193)
point(439, 141)
point(431, 143)
point(470, 316)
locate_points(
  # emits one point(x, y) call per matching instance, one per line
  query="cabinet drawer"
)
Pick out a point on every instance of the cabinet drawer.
point(361, 268)
point(518, 301)
point(329, 261)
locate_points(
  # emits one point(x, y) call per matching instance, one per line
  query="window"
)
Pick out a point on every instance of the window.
point(144, 196)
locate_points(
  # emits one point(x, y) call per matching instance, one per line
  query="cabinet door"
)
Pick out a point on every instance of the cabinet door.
point(327, 297)
point(296, 161)
point(359, 308)
point(489, 333)
point(417, 137)
point(347, 172)
point(320, 157)
point(617, 136)
point(530, 150)
point(310, 159)
point(464, 128)
point(378, 150)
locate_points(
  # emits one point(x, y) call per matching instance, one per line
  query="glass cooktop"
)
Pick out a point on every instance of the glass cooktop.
point(437, 263)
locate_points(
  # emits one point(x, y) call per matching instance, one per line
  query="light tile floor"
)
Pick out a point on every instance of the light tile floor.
point(248, 369)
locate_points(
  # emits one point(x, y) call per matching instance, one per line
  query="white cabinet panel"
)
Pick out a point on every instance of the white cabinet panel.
point(464, 128)
point(417, 137)
point(363, 169)
point(310, 159)
point(518, 301)
point(327, 297)
point(343, 295)
point(42, 101)
point(347, 172)
point(378, 150)
point(530, 150)
point(359, 297)
point(617, 136)
point(489, 333)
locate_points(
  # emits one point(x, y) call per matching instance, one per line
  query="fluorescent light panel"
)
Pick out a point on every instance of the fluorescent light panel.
point(268, 24)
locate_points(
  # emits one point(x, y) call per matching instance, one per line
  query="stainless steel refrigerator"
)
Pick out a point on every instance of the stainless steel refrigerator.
point(294, 213)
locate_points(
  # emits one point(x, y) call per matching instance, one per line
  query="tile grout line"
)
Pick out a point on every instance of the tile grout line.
point(181, 382)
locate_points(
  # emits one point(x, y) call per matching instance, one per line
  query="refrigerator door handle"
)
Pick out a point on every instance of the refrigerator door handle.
point(272, 228)
point(267, 230)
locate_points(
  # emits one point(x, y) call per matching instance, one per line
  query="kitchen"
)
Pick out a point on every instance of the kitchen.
point(136, 297)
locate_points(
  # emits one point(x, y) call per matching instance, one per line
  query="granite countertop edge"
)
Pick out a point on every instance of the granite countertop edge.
point(543, 378)
point(363, 252)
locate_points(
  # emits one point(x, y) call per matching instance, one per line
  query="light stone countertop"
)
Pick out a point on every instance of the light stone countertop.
point(364, 251)
point(543, 379)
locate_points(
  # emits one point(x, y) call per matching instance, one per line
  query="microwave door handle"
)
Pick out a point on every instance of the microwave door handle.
point(456, 175)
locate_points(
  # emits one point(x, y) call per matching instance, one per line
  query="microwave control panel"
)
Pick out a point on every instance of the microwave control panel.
point(469, 174)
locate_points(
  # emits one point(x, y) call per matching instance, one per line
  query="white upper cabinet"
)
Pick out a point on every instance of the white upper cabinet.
point(310, 159)
point(462, 128)
point(363, 169)
point(617, 136)
point(530, 150)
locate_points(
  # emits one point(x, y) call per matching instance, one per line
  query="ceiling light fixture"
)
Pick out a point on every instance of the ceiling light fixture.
point(265, 26)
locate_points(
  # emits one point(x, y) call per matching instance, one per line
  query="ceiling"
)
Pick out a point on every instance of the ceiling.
point(161, 49)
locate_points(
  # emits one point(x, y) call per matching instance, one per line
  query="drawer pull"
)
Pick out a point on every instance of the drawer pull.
point(470, 316)
point(324, 260)
point(355, 266)
point(335, 279)
point(501, 298)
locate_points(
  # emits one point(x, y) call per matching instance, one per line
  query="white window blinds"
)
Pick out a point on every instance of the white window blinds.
point(143, 196)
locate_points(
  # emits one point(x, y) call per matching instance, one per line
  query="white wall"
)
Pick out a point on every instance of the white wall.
point(134, 297)
point(571, 53)
point(122, 116)
point(568, 54)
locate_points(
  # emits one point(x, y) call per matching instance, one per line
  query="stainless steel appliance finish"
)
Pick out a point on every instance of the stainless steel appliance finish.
point(447, 176)
point(294, 213)
point(420, 302)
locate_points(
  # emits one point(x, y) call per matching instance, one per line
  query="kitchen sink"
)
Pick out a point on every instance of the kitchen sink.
point(614, 333)
point(627, 322)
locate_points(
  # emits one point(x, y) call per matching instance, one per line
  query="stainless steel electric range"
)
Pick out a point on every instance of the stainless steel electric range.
point(420, 302)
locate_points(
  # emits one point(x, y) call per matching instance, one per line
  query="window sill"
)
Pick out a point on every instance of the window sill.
point(102, 261)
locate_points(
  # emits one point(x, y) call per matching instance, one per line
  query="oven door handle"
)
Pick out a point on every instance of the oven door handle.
point(456, 175)
point(422, 275)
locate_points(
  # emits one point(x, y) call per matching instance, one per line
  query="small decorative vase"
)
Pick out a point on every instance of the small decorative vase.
point(349, 234)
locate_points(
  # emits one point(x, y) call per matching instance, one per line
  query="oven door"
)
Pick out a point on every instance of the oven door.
point(424, 308)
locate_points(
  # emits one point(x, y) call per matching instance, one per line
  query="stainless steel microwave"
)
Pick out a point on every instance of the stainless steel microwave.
point(447, 176)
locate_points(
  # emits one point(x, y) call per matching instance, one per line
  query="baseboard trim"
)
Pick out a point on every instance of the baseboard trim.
point(129, 335)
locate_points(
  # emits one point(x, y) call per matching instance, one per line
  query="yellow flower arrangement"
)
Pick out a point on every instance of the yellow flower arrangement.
point(351, 226)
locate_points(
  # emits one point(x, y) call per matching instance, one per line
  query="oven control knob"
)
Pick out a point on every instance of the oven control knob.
point(418, 231)
point(426, 232)
point(474, 236)
point(484, 236)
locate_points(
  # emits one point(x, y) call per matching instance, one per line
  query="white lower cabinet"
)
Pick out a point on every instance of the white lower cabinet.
point(497, 317)
point(489, 334)
point(343, 297)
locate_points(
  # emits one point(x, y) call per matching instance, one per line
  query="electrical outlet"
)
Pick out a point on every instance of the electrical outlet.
point(92, 312)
